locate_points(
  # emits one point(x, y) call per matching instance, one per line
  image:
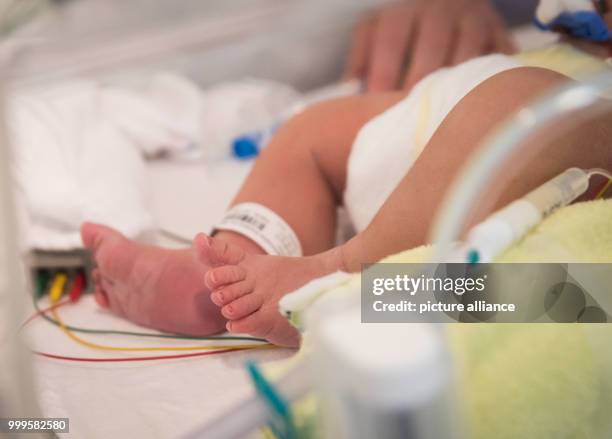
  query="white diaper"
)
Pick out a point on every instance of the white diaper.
point(388, 145)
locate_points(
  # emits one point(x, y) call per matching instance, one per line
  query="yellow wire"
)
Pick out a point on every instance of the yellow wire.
point(604, 190)
point(99, 347)
point(57, 287)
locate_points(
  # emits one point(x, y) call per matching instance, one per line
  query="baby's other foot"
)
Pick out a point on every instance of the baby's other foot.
point(155, 287)
point(248, 291)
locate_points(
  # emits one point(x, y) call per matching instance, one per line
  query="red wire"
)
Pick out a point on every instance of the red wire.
point(115, 360)
point(44, 311)
point(77, 287)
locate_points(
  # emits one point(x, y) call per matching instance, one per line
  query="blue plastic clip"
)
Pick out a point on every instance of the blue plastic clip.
point(582, 24)
point(245, 147)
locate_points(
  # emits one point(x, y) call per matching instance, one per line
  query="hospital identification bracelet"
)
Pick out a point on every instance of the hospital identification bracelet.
point(262, 226)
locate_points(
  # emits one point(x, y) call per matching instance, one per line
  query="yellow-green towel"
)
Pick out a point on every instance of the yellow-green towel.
point(544, 381)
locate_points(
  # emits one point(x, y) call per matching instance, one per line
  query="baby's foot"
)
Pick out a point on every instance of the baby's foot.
point(152, 286)
point(248, 290)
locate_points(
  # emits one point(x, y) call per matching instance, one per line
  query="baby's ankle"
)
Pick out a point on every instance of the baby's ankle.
point(241, 241)
point(335, 260)
point(349, 256)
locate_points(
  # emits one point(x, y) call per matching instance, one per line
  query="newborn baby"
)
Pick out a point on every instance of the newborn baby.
point(391, 174)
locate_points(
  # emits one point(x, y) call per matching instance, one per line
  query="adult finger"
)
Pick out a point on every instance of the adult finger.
point(389, 47)
point(357, 60)
point(432, 44)
point(473, 37)
point(503, 41)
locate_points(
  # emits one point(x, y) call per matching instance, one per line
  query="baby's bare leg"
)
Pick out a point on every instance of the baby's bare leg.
point(405, 219)
point(302, 173)
point(300, 176)
point(249, 291)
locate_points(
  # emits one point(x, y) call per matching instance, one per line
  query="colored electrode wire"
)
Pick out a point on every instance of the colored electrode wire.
point(603, 191)
point(57, 287)
point(74, 294)
point(77, 287)
point(603, 173)
point(51, 320)
point(39, 312)
point(99, 347)
point(133, 359)
point(58, 284)
point(147, 334)
point(110, 360)
point(42, 279)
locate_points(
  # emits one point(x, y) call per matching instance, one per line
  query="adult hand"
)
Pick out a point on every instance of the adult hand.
point(403, 42)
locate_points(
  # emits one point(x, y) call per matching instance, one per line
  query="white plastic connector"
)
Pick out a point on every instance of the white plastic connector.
point(506, 226)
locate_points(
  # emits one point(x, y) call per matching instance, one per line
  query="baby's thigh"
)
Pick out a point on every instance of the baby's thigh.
point(468, 124)
point(554, 149)
point(337, 124)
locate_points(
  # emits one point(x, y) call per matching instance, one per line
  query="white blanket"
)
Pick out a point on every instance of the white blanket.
point(80, 148)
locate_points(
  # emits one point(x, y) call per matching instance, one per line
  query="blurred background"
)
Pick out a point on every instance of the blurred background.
point(300, 42)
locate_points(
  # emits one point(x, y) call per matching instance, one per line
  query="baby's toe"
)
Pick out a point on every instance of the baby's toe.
point(268, 324)
point(111, 251)
point(252, 324)
point(212, 251)
point(94, 235)
point(107, 298)
point(229, 293)
point(106, 283)
point(227, 274)
point(101, 297)
point(242, 306)
point(95, 275)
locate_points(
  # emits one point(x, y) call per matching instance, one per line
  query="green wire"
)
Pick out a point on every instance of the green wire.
point(141, 334)
point(42, 280)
